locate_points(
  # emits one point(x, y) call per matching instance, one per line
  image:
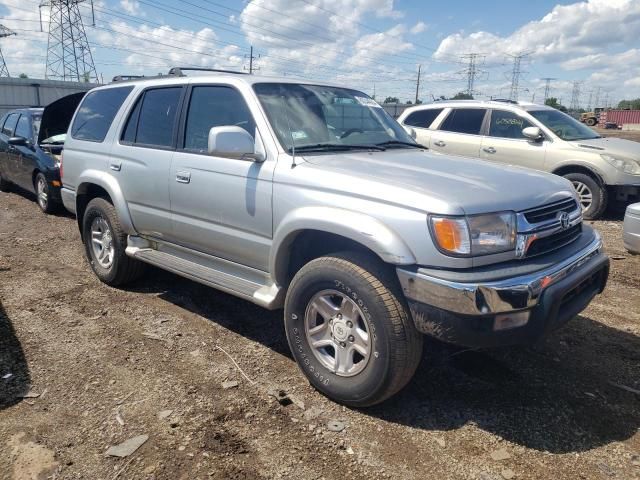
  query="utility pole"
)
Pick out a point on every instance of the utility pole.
point(251, 59)
point(515, 75)
point(418, 84)
point(575, 96)
point(68, 53)
point(4, 33)
point(547, 86)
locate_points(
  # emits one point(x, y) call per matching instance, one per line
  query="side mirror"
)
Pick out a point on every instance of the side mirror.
point(234, 142)
point(532, 133)
point(18, 142)
point(412, 133)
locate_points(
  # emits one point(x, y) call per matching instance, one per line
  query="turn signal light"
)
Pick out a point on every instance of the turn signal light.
point(452, 234)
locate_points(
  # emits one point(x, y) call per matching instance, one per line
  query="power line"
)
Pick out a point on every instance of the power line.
point(4, 33)
point(515, 75)
point(547, 86)
point(68, 54)
point(472, 71)
point(575, 96)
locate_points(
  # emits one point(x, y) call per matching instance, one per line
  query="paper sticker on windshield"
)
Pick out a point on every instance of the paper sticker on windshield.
point(299, 134)
point(368, 102)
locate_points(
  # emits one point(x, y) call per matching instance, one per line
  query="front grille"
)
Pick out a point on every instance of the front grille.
point(550, 211)
point(555, 241)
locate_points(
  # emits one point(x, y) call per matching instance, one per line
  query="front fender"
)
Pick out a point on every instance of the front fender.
point(587, 165)
point(111, 186)
point(359, 227)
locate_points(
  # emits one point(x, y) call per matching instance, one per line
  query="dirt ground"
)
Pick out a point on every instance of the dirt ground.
point(629, 135)
point(151, 359)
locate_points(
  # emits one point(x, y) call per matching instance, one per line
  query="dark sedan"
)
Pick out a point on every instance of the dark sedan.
point(31, 143)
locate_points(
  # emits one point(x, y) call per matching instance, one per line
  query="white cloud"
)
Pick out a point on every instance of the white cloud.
point(132, 7)
point(418, 28)
point(568, 30)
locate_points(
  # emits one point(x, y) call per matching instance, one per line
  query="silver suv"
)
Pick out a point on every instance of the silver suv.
point(310, 197)
point(533, 136)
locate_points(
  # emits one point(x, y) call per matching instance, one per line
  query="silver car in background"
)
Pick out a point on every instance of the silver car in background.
point(533, 136)
point(631, 229)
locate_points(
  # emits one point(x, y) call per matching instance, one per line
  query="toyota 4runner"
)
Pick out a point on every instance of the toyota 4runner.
point(310, 197)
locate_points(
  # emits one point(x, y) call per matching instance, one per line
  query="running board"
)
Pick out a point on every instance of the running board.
point(248, 283)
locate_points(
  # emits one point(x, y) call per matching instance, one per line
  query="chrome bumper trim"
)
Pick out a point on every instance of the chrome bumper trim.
point(501, 296)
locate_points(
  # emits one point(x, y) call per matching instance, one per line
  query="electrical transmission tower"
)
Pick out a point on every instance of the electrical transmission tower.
point(596, 103)
point(547, 86)
point(472, 71)
point(575, 96)
point(68, 53)
point(515, 75)
point(4, 32)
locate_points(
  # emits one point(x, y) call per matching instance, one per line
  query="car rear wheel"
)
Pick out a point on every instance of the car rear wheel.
point(105, 243)
point(350, 330)
point(43, 196)
point(593, 196)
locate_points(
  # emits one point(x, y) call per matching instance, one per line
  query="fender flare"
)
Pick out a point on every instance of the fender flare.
point(358, 227)
point(110, 185)
point(580, 164)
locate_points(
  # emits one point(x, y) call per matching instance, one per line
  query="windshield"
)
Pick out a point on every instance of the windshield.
point(563, 125)
point(320, 118)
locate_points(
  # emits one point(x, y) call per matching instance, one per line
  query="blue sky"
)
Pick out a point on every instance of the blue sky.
point(365, 44)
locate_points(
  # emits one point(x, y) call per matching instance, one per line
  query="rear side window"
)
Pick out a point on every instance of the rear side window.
point(506, 124)
point(422, 118)
point(464, 120)
point(10, 124)
point(153, 120)
point(23, 129)
point(214, 107)
point(96, 113)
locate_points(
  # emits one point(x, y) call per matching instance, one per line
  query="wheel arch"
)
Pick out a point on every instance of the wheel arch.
point(579, 168)
point(312, 232)
point(98, 185)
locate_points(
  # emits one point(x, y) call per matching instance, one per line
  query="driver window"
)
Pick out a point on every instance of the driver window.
point(214, 106)
point(506, 124)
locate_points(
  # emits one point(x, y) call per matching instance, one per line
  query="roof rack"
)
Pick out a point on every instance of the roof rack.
point(504, 100)
point(177, 71)
point(124, 78)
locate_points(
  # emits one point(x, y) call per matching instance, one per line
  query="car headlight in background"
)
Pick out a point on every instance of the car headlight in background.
point(625, 165)
point(476, 234)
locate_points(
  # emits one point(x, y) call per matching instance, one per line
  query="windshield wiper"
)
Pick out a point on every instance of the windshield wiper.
point(400, 143)
point(335, 147)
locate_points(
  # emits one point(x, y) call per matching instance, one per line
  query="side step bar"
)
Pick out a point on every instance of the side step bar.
point(239, 280)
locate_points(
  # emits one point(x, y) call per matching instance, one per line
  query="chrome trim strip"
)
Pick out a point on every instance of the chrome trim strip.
point(492, 297)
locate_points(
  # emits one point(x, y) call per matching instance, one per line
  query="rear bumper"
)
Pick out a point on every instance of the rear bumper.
point(68, 199)
point(478, 314)
point(631, 229)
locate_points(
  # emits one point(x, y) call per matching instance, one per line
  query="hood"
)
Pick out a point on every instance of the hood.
point(57, 116)
point(436, 183)
point(612, 146)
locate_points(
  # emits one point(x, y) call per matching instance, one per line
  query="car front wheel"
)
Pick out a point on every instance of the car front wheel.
point(350, 330)
point(43, 194)
point(5, 185)
point(593, 196)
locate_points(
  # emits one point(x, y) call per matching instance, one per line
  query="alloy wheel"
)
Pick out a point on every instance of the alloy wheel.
point(41, 191)
point(102, 242)
point(338, 333)
point(585, 194)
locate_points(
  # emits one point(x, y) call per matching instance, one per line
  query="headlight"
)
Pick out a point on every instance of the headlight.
point(623, 164)
point(475, 235)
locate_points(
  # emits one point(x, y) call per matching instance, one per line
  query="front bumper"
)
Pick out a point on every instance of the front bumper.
point(466, 313)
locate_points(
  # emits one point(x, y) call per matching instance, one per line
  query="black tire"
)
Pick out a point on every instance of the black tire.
point(591, 121)
point(43, 199)
point(396, 346)
point(599, 195)
point(5, 185)
point(123, 269)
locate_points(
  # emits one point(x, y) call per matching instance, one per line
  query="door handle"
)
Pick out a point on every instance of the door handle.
point(489, 149)
point(115, 166)
point(439, 143)
point(183, 177)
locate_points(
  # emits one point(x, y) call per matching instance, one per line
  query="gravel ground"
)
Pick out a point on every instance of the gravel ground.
point(92, 366)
